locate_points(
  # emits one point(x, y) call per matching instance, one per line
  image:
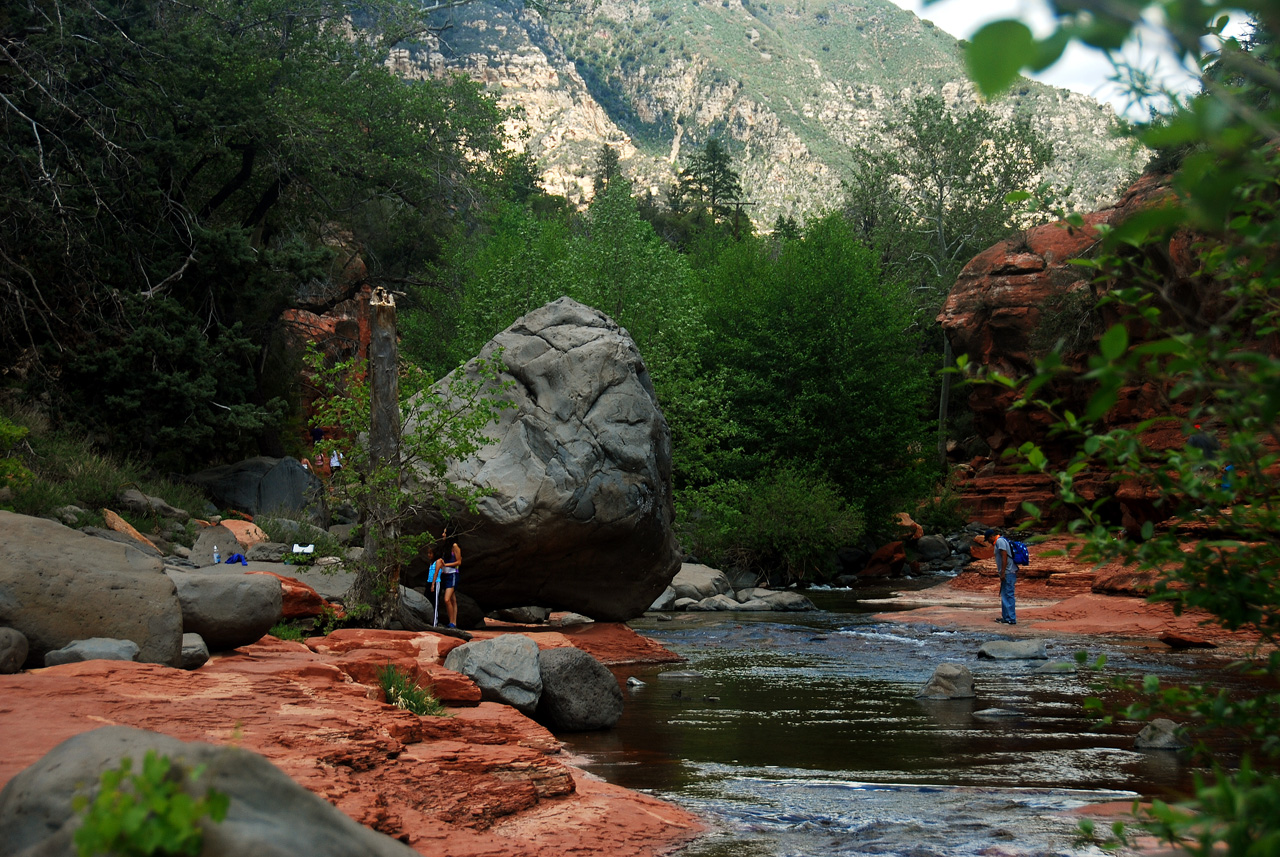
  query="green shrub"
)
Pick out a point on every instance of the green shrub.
point(147, 813)
point(403, 692)
point(785, 525)
point(64, 468)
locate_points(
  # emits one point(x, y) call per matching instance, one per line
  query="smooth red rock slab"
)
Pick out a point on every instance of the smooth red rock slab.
point(300, 600)
point(423, 645)
point(484, 781)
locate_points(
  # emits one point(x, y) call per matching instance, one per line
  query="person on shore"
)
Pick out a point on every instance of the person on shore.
point(452, 568)
point(434, 566)
point(1007, 570)
point(335, 462)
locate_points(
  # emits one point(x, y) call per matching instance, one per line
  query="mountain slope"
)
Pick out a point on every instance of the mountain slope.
point(790, 86)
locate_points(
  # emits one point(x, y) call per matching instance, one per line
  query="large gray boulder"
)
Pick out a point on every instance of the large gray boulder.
point(58, 585)
point(228, 610)
point(579, 694)
point(504, 668)
point(263, 485)
point(269, 814)
point(579, 510)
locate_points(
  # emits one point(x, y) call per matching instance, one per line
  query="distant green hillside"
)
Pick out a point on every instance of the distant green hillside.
point(790, 86)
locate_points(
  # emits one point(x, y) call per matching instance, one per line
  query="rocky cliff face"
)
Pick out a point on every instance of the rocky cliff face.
point(1010, 305)
point(790, 87)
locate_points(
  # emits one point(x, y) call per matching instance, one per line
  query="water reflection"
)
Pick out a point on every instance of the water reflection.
point(802, 735)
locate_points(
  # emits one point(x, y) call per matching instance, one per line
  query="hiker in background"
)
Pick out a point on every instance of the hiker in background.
point(335, 462)
point(1007, 571)
point(452, 554)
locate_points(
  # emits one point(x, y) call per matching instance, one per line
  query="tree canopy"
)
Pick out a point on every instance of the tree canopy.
point(180, 174)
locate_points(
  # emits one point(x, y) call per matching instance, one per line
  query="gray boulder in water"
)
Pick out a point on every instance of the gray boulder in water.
point(949, 681)
point(579, 510)
point(269, 814)
point(579, 694)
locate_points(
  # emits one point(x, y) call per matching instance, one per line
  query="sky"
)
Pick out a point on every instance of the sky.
point(1080, 69)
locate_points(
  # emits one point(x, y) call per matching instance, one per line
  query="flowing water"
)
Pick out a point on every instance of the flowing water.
point(800, 734)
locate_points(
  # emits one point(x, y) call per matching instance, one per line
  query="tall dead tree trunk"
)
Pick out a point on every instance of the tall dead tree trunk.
point(377, 585)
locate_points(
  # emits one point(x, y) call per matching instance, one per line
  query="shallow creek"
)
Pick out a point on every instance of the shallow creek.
point(800, 734)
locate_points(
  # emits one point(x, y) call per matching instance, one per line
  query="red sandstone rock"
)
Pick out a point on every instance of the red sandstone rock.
point(120, 525)
point(887, 561)
point(908, 529)
point(246, 533)
point(300, 600)
point(1182, 640)
point(484, 781)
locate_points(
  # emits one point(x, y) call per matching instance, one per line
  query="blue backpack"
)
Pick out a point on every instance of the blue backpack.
point(1018, 552)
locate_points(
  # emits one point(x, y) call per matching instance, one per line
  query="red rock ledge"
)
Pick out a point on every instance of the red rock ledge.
point(484, 781)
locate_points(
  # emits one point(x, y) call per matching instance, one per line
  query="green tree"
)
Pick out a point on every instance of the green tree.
point(937, 196)
point(711, 181)
point(825, 365)
point(1219, 362)
point(200, 168)
point(607, 168)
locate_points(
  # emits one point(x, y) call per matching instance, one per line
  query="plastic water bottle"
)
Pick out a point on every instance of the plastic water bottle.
point(217, 557)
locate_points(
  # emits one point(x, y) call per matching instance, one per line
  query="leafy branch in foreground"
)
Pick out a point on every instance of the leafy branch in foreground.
point(1205, 332)
point(148, 812)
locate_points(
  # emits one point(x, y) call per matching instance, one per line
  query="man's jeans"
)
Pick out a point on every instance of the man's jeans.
point(1006, 596)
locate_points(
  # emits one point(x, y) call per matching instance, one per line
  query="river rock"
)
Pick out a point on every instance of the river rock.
point(933, 548)
point(715, 602)
point(13, 650)
point(146, 545)
point(269, 814)
point(756, 605)
point(1013, 650)
point(684, 603)
point(143, 504)
point(92, 649)
point(209, 538)
point(579, 694)
point(268, 552)
point(949, 681)
point(1059, 667)
point(524, 615)
point(228, 610)
point(579, 509)
point(263, 485)
point(1160, 734)
point(416, 612)
point(792, 602)
point(700, 581)
point(665, 601)
point(505, 668)
point(195, 653)
point(58, 585)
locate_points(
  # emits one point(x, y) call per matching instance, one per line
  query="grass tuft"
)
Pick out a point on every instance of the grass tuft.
point(403, 692)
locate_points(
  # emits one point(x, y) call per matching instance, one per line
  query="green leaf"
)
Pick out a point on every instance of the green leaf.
point(998, 52)
point(1114, 342)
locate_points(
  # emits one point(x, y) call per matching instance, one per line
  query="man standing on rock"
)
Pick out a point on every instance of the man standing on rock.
point(1007, 571)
